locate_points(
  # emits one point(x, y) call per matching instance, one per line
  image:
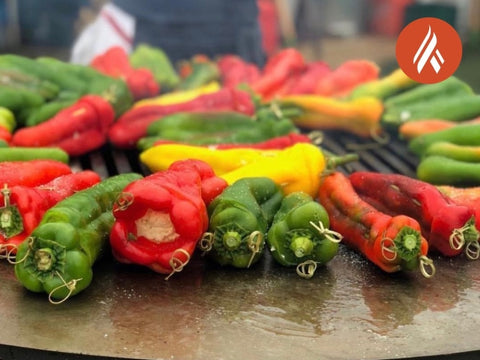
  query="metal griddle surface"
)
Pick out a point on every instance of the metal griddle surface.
point(348, 310)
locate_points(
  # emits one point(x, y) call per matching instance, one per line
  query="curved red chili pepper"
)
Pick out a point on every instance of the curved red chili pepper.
point(448, 227)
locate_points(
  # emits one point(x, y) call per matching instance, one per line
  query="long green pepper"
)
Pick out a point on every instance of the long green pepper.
point(58, 256)
point(239, 219)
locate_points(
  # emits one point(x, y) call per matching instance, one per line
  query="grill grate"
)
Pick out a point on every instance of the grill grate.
point(393, 157)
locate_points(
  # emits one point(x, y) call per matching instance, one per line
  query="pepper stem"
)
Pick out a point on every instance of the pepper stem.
point(232, 240)
point(466, 236)
point(301, 246)
point(6, 196)
point(407, 243)
point(11, 222)
point(44, 259)
point(334, 161)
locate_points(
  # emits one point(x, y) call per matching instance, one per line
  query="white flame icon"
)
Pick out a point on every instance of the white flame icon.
point(431, 38)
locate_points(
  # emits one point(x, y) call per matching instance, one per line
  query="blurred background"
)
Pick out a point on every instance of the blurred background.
point(328, 30)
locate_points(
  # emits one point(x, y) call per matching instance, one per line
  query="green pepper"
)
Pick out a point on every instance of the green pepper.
point(239, 219)
point(384, 87)
point(458, 152)
point(17, 79)
point(7, 119)
point(58, 256)
point(58, 76)
point(427, 92)
point(115, 91)
point(300, 235)
point(158, 63)
point(441, 170)
point(46, 111)
point(461, 134)
point(451, 99)
point(202, 73)
point(16, 99)
point(24, 153)
point(215, 127)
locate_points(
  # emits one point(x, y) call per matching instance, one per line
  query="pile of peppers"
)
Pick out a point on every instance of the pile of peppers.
point(231, 173)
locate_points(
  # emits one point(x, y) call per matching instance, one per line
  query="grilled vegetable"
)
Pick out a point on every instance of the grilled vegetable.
point(239, 219)
point(449, 228)
point(23, 206)
point(58, 256)
point(159, 219)
point(392, 243)
point(300, 235)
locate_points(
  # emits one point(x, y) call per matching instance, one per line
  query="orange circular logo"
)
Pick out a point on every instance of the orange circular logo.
point(429, 50)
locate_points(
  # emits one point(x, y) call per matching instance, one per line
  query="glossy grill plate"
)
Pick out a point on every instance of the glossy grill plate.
point(348, 310)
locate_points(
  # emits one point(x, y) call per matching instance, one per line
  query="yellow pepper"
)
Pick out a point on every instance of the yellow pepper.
point(359, 116)
point(384, 87)
point(179, 96)
point(160, 157)
point(296, 168)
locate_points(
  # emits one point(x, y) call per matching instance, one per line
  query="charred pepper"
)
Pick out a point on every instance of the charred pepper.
point(300, 235)
point(239, 220)
point(159, 219)
point(58, 256)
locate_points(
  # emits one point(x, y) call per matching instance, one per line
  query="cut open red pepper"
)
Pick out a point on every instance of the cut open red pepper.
point(159, 219)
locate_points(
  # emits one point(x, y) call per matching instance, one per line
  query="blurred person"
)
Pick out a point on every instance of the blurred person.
point(182, 28)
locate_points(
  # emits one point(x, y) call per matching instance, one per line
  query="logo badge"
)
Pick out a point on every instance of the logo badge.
point(429, 50)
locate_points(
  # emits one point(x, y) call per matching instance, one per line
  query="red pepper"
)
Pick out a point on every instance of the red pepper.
point(23, 206)
point(235, 71)
point(5, 134)
point(133, 124)
point(346, 77)
point(469, 196)
point(448, 228)
point(278, 69)
point(279, 142)
point(393, 243)
point(78, 129)
point(115, 63)
point(32, 172)
point(306, 81)
point(159, 219)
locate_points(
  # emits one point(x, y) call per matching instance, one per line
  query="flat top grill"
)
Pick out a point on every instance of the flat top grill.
point(348, 310)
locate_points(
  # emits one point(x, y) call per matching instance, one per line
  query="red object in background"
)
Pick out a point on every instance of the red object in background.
point(388, 16)
point(133, 124)
point(269, 27)
point(115, 63)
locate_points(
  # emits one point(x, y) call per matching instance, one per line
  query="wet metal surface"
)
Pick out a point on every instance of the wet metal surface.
point(348, 310)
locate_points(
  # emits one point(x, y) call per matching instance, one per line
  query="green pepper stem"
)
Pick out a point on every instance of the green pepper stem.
point(407, 243)
point(232, 240)
point(301, 246)
point(334, 160)
point(44, 259)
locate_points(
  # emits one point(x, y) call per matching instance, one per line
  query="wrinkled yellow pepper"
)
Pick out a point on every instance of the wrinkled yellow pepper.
point(160, 157)
point(179, 96)
point(296, 168)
